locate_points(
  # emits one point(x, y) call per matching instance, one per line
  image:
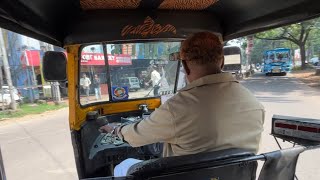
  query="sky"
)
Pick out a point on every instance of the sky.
point(30, 42)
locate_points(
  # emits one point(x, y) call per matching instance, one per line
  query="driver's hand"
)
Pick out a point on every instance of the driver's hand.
point(108, 128)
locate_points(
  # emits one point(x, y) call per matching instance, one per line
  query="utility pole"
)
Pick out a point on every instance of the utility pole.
point(249, 50)
point(1, 83)
point(7, 70)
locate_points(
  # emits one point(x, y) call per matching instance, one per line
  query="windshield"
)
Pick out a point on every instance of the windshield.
point(277, 56)
point(136, 70)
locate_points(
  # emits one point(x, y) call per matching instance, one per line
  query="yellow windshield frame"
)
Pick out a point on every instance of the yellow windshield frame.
point(77, 113)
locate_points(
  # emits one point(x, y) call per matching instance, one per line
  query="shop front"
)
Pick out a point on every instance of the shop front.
point(94, 64)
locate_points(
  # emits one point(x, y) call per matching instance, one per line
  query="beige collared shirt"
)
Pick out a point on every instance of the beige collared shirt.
point(212, 113)
point(85, 82)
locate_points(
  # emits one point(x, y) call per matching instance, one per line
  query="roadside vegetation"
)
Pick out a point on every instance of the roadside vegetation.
point(308, 76)
point(27, 109)
point(302, 38)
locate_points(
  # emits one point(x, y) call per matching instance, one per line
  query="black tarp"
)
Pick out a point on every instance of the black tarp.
point(64, 22)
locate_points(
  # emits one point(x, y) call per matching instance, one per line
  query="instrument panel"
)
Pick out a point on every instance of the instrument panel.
point(300, 130)
point(109, 144)
point(109, 139)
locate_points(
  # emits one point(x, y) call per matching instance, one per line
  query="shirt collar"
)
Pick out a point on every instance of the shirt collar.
point(210, 79)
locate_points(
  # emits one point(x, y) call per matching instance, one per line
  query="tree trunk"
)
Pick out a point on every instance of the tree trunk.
point(303, 55)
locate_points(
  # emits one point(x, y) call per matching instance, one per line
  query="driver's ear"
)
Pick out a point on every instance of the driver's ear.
point(222, 62)
point(185, 66)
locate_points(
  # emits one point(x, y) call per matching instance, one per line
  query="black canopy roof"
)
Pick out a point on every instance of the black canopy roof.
point(63, 22)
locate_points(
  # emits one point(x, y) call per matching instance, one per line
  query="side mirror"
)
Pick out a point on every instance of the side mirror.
point(54, 66)
point(174, 56)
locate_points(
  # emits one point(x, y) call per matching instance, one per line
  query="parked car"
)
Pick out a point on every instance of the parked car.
point(5, 96)
point(132, 83)
point(314, 61)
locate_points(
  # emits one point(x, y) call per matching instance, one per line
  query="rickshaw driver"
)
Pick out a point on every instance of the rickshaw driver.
point(213, 112)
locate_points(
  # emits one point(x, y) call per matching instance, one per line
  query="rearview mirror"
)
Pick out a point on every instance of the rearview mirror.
point(174, 56)
point(54, 66)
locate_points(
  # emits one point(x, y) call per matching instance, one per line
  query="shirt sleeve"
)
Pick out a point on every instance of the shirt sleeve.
point(158, 127)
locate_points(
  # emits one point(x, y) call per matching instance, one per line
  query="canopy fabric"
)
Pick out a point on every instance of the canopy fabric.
point(66, 22)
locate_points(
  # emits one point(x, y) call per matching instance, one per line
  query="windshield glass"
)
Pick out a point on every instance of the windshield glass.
point(136, 70)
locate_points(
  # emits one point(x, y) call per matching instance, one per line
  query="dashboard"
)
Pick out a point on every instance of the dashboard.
point(111, 148)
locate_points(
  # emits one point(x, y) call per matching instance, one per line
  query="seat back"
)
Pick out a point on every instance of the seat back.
point(281, 164)
point(225, 164)
point(2, 173)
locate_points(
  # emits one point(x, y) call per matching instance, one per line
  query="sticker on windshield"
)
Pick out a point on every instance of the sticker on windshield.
point(120, 93)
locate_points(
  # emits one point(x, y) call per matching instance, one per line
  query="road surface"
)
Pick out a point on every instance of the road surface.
point(283, 95)
point(39, 147)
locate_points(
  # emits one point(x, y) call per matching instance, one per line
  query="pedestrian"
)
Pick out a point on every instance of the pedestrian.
point(155, 80)
point(85, 85)
point(96, 85)
point(141, 81)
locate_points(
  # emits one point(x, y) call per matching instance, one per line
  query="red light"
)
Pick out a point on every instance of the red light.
point(308, 129)
point(286, 126)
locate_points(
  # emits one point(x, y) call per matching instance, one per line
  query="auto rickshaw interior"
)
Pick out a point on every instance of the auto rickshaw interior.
point(125, 39)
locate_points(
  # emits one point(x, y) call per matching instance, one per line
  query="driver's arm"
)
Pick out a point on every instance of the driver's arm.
point(158, 127)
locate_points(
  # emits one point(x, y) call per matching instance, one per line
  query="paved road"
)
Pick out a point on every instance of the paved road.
point(287, 96)
point(39, 147)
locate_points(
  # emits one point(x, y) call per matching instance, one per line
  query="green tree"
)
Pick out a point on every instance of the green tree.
point(314, 42)
point(258, 48)
point(296, 33)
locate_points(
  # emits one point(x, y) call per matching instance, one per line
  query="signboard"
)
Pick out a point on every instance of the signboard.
point(297, 54)
point(159, 62)
point(97, 59)
point(30, 58)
